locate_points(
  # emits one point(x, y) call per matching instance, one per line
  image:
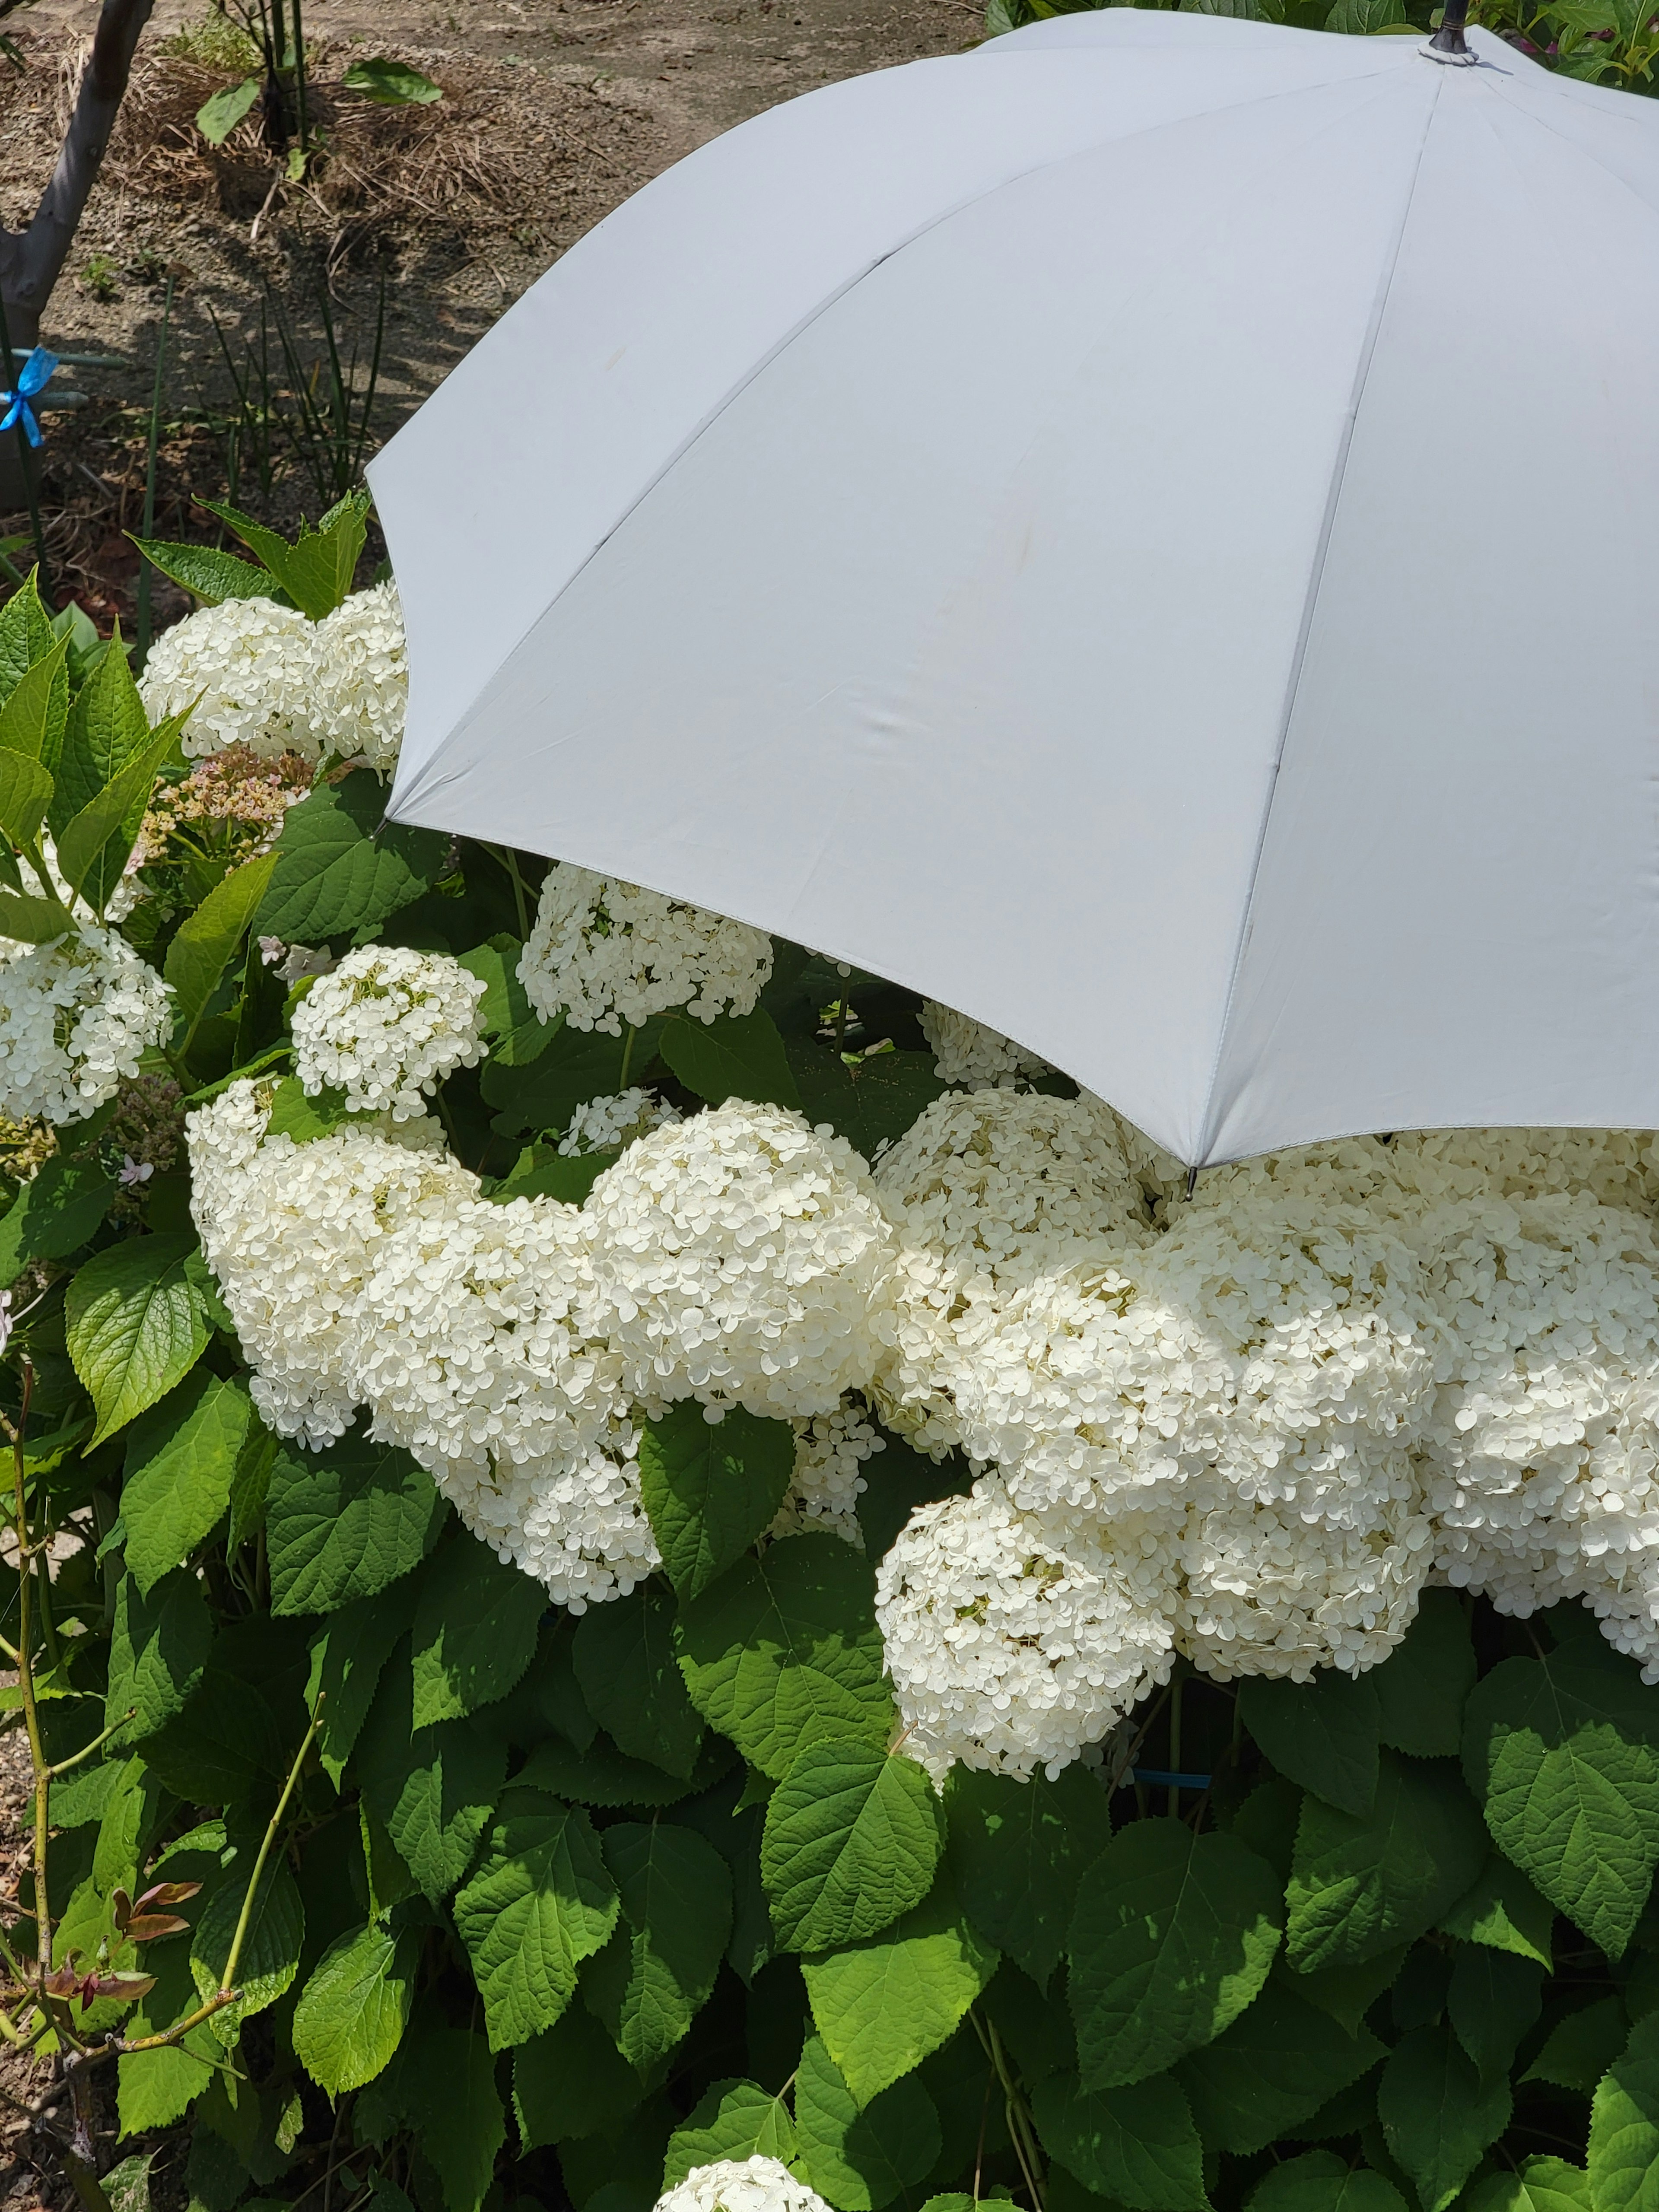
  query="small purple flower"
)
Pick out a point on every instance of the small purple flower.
point(134, 1171)
point(272, 950)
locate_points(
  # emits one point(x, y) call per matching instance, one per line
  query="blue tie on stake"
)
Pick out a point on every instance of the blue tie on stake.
point(1161, 1775)
point(33, 378)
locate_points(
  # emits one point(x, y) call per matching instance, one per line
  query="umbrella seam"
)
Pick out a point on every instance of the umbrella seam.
point(425, 780)
point(1206, 1132)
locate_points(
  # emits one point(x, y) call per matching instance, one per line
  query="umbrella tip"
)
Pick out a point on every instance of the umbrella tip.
point(1192, 1181)
point(1448, 44)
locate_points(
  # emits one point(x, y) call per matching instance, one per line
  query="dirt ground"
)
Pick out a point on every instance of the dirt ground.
point(554, 111)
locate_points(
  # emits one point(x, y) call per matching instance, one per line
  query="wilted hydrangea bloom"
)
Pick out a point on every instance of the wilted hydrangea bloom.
point(606, 953)
point(360, 678)
point(1011, 1645)
point(251, 663)
point(741, 2185)
point(385, 1026)
point(827, 1482)
point(966, 1052)
point(75, 1016)
point(604, 1125)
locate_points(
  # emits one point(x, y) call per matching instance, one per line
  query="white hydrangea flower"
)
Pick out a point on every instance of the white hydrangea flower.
point(741, 2185)
point(1010, 1645)
point(359, 685)
point(603, 1124)
point(826, 1482)
point(75, 1016)
point(742, 1257)
point(385, 1026)
point(966, 1052)
point(603, 952)
point(252, 662)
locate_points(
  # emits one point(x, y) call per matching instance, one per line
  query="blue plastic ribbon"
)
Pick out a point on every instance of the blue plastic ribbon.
point(1160, 1776)
point(31, 377)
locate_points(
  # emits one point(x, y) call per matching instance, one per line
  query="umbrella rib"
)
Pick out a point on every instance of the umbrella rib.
point(1315, 578)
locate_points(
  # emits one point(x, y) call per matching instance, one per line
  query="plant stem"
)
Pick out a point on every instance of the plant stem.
point(1175, 1688)
point(26, 1689)
point(86, 1751)
point(141, 624)
point(228, 1978)
point(628, 1057)
point(506, 859)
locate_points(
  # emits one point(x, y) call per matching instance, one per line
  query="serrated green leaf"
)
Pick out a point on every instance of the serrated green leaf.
point(571, 2080)
point(784, 1649)
point(851, 1838)
point(354, 2007)
point(1438, 2115)
point(1276, 2065)
point(1563, 1752)
point(862, 2157)
point(306, 1115)
point(1579, 2049)
point(1347, 1993)
point(134, 1326)
point(182, 1457)
point(205, 942)
point(540, 1902)
point(433, 1789)
point(26, 788)
point(655, 1975)
point(1323, 1734)
point(36, 709)
point(334, 876)
point(210, 574)
point(344, 1523)
point(26, 637)
point(1018, 1850)
point(539, 1172)
point(107, 730)
point(517, 1032)
point(883, 2005)
point(730, 2120)
point(451, 2089)
point(870, 1103)
point(57, 1209)
point(475, 1622)
point(602, 1775)
point(315, 569)
point(623, 1654)
point(347, 1655)
point(270, 1949)
point(1423, 1685)
point(33, 920)
point(1319, 2181)
point(1493, 1999)
point(739, 1056)
point(1624, 2134)
point(1503, 1909)
point(1136, 2146)
point(1173, 1936)
point(710, 1488)
point(1359, 1886)
point(1537, 2185)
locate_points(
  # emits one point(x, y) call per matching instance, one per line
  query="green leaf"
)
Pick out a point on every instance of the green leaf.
point(36, 711)
point(1319, 2181)
point(711, 1488)
point(462, 2126)
point(219, 115)
point(1323, 1734)
point(539, 1172)
point(26, 637)
point(730, 2120)
point(354, 2007)
point(134, 1326)
point(851, 1838)
point(1359, 1885)
point(1018, 1850)
point(1503, 1909)
point(1438, 2115)
point(210, 574)
point(25, 789)
point(656, 1973)
point(518, 1033)
point(476, 1621)
point(739, 1056)
point(1624, 2135)
point(343, 1523)
point(92, 850)
point(1422, 1686)
point(181, 1456)
point(784, 1649)
point(869, 1102)
point(1274, 2067)
point(305, 1115)
point(882, 2005)
point(623, 1654)
point(1537, 2185)
point(576, 1066)
point(1137, 2146)
point(571, 2080)
point(1579, 2049)
point(271, 1950)
point(1172, 1937)
point(1494, 1998)
point(540, 1903)
point(33, 920)
point(1360, 18)
point(347, 1655)
point(1564, 1754)
point(333, 875)
point(55, 1211)
point(433, 1789)
point(205, 942)
point(601, 1775)
point(107, 730)
point(1348, 1993)
point(318, 567)
point(860, 2158)
point(392, 84)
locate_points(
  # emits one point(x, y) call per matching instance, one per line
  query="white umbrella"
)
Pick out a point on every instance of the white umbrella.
point(1146, 533)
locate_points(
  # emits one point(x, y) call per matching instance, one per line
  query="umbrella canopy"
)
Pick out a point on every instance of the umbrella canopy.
point(1145, 533)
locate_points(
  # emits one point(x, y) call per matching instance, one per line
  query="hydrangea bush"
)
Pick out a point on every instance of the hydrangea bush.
point(680, 1578)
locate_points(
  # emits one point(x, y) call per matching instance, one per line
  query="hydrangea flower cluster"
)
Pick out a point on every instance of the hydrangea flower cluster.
point(605, 1125)
point(385, 1027)
point(741, 2185)
point(75, 1016)
point(605, 953)
point(966, 1053)
point(827, 1481)
point(266, 677)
